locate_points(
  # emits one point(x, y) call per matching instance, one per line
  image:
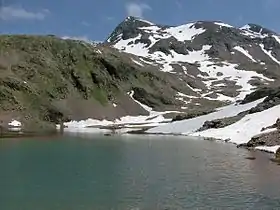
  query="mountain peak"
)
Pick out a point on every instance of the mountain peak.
point(128, 28)
point(257, 29)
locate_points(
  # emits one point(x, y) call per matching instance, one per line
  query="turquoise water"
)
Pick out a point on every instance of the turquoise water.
point(134, 172)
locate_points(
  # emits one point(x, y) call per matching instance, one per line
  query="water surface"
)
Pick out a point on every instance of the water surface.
point(134, 172)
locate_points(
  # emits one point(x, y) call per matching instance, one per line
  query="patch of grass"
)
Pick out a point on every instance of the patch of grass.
point(101, 96)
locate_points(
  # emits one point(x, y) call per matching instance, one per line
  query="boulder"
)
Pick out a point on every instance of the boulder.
point(278, 124)
point(277, 155)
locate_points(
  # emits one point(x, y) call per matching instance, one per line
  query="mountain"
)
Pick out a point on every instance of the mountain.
point(219, 62)
point(223, 62)
point(144, 75)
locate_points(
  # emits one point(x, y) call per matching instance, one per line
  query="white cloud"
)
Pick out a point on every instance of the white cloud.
point(136, 9)
point(12, 13)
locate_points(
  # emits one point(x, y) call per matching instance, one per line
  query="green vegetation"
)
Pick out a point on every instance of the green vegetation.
point(43, 77)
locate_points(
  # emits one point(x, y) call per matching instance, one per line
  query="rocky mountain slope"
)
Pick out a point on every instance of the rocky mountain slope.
point(144, 73)
point(219, 61)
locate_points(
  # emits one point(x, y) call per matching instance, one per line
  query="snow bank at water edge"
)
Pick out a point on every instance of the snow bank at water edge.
point(242, 131)
point(186, 127)
point(271, 149)
point(126, 123)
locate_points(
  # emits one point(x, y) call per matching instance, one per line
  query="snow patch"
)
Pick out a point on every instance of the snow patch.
point(138, 63)
point(245, 52)
point(185, 32)
point(245, 27)
point(277, 38)
point(223, 24)
point(271, 149)
point(246, 128)
point(246, 30)
point(186, 127)
point(98, 51)
point(147, 108)
point(153, 119)
point(15, 123)
point(269, 53)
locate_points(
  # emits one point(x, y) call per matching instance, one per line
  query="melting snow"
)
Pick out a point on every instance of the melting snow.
point(245, 52)
point(147, 62)
point(98, 51)
point(243, 130)
point(271, 149)
point(138, 63)
point(185, 32)
point(269, 54)
point(147, 108)
point(153, 119)
point(15, 123)
point(245, 27)
point(246, 30)
point(189, 126)
point(223, 24)
point(277, 38)
point(231, 72)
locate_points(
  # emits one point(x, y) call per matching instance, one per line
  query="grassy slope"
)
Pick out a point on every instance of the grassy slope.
point(40, 74)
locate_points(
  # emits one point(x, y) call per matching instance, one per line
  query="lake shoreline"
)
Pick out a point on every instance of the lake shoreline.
point(50, 133)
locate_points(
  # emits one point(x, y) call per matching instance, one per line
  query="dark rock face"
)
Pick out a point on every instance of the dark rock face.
point(259, 29)
point(220, 123)
point(277, 155)
point(271, 94)
point(272, 99)
point(268, 139)
point(165, 45)
point(277, 124)
point(190, 115)
point(127, 29)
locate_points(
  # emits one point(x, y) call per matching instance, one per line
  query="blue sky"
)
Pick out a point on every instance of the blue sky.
point(95, 19)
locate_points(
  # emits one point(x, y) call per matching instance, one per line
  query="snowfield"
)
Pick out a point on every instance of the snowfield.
point(187, 127)
point(239, 132)
point(242, 131)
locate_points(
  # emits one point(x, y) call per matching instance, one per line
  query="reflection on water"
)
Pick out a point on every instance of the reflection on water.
point(134, 172)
